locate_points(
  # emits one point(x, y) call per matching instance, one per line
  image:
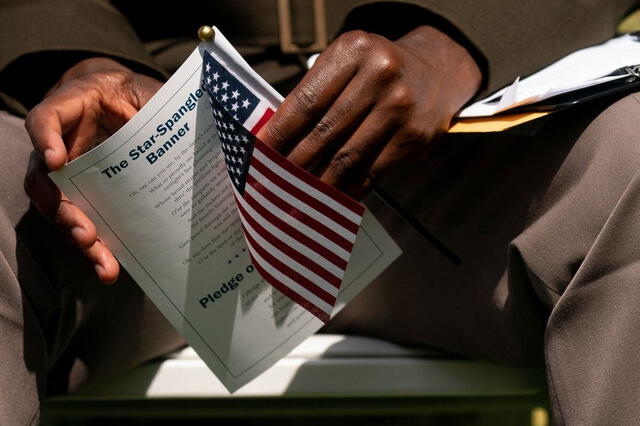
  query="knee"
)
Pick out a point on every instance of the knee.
point(15, 149)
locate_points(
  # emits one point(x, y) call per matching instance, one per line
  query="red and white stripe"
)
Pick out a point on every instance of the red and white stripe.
point(299, 230)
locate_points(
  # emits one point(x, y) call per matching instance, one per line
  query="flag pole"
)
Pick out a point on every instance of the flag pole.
point(411, 220)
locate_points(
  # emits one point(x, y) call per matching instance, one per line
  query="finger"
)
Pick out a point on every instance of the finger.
point(49, 121)
point(399, 152)
point(57, 208)
point(68, 218)
point(390, 156)
point(355, 157)
point(309, 100)
point(84, 135)
point(356, 185)
point(338, 123)
point(144, 88)
point(104, 263)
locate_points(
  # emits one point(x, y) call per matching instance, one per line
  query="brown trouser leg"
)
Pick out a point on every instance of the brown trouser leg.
point(546, 225)
point(548, 229)
point(59, 327)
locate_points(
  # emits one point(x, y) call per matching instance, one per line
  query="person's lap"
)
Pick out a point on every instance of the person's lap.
point(547, 230)
point(524, 213)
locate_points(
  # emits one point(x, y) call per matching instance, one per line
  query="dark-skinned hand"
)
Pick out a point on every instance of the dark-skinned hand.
point(369, 105)
point(91, 101)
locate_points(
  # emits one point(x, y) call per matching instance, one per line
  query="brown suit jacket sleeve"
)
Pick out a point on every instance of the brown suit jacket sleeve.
point(508, 38)
point(43, 38)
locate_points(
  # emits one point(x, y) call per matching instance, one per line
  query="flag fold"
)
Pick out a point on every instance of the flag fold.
point(299, 231)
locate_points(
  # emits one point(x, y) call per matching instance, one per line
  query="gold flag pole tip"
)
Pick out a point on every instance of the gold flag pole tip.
point(206, 33)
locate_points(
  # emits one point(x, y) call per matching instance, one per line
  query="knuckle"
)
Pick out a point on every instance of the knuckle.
point(342, 163)
point(32, 116)
point(324, 129)
point(387, 63)
point(357, 40)
point(306, 97)
point(415, 133)
point(112, 78)
point(401, 98)
point(109, 81)
point(60, 214)
point(275, 135)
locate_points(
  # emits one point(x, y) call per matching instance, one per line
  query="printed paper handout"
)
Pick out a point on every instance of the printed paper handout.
point(162, 195)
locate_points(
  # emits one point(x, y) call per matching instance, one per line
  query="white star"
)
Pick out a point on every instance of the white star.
point(208, 67)
point(246, 103)
point(237, 181)
point(225, 85)
point(235, 94)
point(208, 80)
point(215, 75)
point(242, 150)
point(224, 98)
point(235, 148)
point(234, 106)
point(237, 139)
point(245, 139)
point(235, 117)
point(215, 88)
point(231, 126)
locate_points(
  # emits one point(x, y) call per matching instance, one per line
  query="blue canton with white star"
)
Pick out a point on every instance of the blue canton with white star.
point(232, 95)
point(236, 141)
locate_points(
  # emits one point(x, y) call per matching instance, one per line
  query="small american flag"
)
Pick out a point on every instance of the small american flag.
point(299, 230)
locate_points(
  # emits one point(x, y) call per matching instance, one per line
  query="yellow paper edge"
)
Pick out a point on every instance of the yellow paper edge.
point(494, 124)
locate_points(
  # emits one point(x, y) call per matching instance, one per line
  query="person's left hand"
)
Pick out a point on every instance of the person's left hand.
point(369, 105)
point(92, 99)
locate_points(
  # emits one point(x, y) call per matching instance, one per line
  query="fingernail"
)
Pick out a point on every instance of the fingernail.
point(48, 155)
point(99, 269)
point(77, 233)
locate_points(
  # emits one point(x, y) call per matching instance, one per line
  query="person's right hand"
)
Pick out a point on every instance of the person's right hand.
point(91, 101)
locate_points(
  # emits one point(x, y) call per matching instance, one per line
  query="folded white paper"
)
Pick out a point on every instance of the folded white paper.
point(584, 68)
point(159, 193)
